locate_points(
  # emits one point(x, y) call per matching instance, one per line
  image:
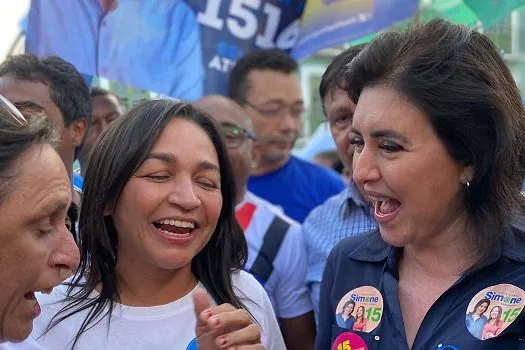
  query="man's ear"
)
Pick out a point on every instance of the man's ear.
point(78, 130)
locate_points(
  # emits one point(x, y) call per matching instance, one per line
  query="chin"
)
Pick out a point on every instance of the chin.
point(394, 237)
point(20, 334)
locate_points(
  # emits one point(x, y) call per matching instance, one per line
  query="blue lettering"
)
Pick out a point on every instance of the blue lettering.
point(501, 298)
point(362, 299)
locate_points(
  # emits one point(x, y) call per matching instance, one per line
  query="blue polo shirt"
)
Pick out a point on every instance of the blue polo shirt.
point(360, 265)
point(297, 187)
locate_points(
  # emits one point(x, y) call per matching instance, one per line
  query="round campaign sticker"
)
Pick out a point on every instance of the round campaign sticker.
point(349, 341)
point(494, 309)
point(360, 309)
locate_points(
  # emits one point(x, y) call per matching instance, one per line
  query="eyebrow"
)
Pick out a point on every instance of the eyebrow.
point(167, 157)
point(385, 134)
point(278, 101)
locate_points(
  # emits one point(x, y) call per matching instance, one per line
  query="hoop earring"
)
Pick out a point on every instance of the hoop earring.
point(468, 184)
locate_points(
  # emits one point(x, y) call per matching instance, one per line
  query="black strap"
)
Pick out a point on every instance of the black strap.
point(262, 267)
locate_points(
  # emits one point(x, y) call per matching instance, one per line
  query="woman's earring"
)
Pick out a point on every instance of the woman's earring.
point(468, 184)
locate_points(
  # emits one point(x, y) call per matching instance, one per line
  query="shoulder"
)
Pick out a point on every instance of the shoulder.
point(313, 168)
point(325, 211)
point(253, 295)
point(368, 247)
point(246, 285)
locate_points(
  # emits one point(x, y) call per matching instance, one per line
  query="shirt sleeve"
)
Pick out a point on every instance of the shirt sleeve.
point(326, 309)
point(291, 293)
point(187, 56)
point(314, 259)
point(260, 307)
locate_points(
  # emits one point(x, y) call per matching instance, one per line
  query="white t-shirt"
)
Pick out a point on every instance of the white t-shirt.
point(276, 255)
point(28, 344)
point(170, 326)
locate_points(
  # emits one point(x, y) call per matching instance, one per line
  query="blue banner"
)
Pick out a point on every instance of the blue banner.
point(326, 23)
point(186, 48)
point(230, 28)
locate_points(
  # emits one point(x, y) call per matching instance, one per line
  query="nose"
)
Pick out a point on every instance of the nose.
point(365, 168)
point(288, 121)
point(183, 194)
point(66, 257)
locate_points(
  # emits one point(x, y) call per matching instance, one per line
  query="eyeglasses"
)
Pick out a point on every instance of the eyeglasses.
point(296, 111)
point(234, 135)
point(13, 112)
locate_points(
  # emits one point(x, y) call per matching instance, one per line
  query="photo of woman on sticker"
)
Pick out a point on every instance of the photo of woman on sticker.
point(476, 319)
point(494, 324)
point(439, 137)
point(345, 318)
point(360, 319)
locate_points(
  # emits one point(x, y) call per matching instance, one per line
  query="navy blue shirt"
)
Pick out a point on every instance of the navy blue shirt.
point(367, 260)
point(297, 187)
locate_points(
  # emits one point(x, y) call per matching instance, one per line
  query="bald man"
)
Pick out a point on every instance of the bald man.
point(271, 235)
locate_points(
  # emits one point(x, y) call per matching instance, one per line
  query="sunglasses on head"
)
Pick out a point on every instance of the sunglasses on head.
point(13, 112)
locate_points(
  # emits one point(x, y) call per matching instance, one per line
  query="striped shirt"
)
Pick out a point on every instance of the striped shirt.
point(343, 215)
point(276, 255)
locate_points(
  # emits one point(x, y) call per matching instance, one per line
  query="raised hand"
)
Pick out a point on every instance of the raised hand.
point(223, 326)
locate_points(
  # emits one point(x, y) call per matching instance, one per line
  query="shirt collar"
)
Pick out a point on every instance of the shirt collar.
point(374, 249)
point(513, 246)
point(352, 194)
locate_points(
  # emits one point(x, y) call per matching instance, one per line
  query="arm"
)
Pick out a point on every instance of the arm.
point(293, 305)
point(188, 82)
point(299, 332)
point(326, 309)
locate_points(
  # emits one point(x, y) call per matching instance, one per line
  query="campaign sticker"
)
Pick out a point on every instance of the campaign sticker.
point(493, 309)
point(192, 345)
point(349, 341)
point(361, 309)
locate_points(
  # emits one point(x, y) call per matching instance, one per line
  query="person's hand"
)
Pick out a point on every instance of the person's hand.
point(223, 326)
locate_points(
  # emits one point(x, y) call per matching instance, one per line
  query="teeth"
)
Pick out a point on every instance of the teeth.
point(44, 291)
point(177, 223)
point(174, 234)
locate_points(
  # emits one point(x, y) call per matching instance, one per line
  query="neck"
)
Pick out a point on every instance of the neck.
point(240, 195)
point(267, 167)
point(444, 256)
point(139, 285)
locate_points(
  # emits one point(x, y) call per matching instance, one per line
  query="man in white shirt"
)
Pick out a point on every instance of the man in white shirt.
point(276, 252)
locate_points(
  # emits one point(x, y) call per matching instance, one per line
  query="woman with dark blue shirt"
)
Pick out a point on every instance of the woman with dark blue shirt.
point(439, 135)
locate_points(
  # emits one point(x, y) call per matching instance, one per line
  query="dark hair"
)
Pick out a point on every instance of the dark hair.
point(456, 76)
point(348, 303)
point(482, 301)
point(362, 316)
point(98, 91)
point(67, 88)
point(15, 140)
point(121, 150)
point(333, 78)
point(272, 59)
point(499, 314)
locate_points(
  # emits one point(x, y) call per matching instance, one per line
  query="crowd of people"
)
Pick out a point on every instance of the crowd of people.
point(191, 225)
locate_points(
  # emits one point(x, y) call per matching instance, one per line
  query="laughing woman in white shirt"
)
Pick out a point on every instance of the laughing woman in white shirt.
point(161, 252)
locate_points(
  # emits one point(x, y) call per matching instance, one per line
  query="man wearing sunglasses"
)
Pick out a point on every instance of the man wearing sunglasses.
point(266, 84)
point(276, 252)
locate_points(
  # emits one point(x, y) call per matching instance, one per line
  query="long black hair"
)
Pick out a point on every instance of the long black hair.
point(122, 149)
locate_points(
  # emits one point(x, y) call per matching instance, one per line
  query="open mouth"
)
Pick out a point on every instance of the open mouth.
point(386, 206)
point(31, 295)
point(174, 227)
